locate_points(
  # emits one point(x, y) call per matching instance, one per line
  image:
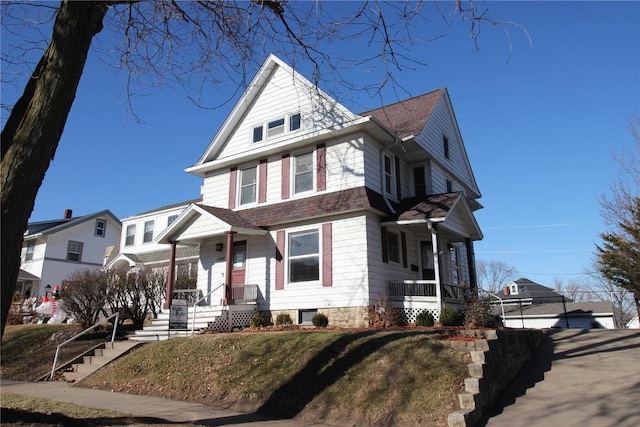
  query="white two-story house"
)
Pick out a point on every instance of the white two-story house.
point(309, 207)
point(53, 250)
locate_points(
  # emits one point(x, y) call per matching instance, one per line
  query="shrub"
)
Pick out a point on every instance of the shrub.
point(382, 315)
point(450, 316)
point(258, 320)
point(320, 320)
point(425, 318)
point(84, 296)
point(283, 319)
point(477, 313)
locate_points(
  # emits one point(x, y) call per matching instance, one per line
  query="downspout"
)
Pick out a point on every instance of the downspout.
point(171, 273)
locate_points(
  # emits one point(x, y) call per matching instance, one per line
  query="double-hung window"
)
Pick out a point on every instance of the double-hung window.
point(393, 246)
point(74, 251)
point(130, 235)
point(303, 173)
point(148, 232)
point(31, 247)
point(388, 175)
point(101, 227)
point(248, 185)
point(304, 256)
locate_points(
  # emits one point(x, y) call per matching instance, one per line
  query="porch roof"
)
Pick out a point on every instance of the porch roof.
point(25, 275)
point(450, 209)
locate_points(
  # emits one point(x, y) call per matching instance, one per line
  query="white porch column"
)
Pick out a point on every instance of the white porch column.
point(436, 261)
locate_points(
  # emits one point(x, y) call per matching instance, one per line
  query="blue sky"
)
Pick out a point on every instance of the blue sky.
point(541, 123)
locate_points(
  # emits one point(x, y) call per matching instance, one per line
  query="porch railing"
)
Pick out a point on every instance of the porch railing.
point(412, 288)
point(243, 294)
point(425, 288)
point(454, 292)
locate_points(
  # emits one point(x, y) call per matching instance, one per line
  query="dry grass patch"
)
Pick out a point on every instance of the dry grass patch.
point(346, 378)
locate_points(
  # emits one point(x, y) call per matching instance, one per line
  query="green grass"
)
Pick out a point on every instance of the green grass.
point(330, 376)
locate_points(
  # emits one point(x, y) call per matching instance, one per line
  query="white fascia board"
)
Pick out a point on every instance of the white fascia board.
point(414, 221)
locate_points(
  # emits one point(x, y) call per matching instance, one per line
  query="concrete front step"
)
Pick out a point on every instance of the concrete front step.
point(100, 358)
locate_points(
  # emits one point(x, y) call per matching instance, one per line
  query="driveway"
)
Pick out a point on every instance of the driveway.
point(591, 378)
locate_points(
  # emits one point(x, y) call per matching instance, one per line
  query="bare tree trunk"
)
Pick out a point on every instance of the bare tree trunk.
point(30, 136)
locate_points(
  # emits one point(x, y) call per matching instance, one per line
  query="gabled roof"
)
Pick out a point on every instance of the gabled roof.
point(42, 228)
point(247, 101)
point(530, 289)
point(407, 118)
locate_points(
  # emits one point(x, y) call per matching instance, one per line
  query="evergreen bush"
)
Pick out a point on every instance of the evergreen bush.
point(425, 318)
point(320, 320)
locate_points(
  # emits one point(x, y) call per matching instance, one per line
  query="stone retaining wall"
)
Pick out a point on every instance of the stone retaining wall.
point(496, 358)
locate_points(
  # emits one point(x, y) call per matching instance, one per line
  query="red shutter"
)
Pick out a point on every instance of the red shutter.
point(262, 181)
point(385, 254)
point(398, 184)
point(321, 172)
point(327, 270)
point(285, 176)
point(233, 180)
point(403, 248)
point(280, 259)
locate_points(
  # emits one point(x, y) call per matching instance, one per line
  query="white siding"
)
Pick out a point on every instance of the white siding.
point(350, 275)
point(441, 123)
point(345, 164)
point(283, 95)
point(160, 219)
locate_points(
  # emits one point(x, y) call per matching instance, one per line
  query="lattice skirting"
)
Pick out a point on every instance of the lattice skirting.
point(408, 315)
point(240, 319)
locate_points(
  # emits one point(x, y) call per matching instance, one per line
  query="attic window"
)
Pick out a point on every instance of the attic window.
point(101, 227)
point(275, 127)
point(513, 289)
point(257, 134)
point(445, 146)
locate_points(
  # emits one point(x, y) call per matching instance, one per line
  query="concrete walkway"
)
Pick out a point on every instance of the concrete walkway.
point(591, 379)
point(171, 411)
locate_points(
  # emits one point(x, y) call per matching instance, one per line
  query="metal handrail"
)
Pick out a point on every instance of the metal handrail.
point(195, 304)
point(113, 337)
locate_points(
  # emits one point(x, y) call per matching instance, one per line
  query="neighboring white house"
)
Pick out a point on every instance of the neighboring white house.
point(137, 247)
point(309, 207)
point(52, 250)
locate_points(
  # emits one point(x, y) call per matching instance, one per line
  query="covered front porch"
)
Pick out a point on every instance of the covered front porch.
point(227, 233)
point(437, 232)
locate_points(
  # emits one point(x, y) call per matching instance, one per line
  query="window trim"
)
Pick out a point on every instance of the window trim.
point(240, 186)
point(317, 255)
point(30, 251)
point(391, 175)
point(79, 252)
point(445, 147)
point(145, 232)
point(266, 132)
point(103, 228)
point(294, 173)
point(397, 251)
point(131, 235)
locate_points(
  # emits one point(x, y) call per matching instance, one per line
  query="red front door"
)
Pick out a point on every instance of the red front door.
point(239, 262)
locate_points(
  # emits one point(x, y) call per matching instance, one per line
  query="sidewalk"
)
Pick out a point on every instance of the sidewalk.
point(578, 378)
point(145, 406)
